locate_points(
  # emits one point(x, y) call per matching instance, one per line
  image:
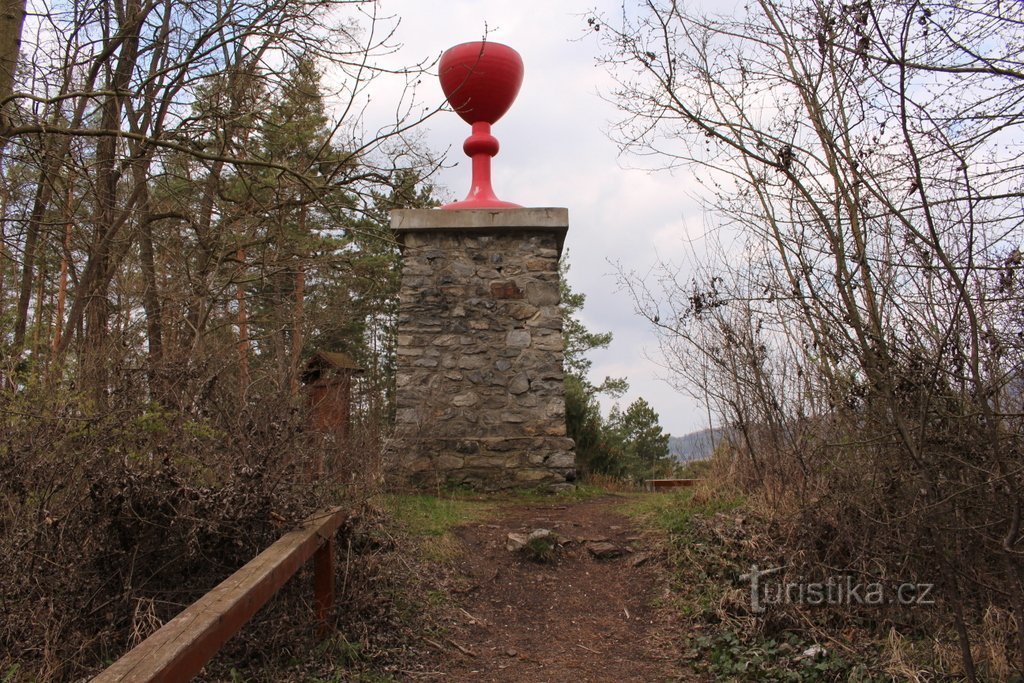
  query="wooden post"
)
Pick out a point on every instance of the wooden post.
point(323, 584)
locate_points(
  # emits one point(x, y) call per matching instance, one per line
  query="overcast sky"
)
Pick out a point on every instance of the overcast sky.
point(555, 152)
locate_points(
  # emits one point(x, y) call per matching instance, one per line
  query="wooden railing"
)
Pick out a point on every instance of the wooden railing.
point(180, 649)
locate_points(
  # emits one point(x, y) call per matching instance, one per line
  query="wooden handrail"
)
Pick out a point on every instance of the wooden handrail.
point(180, 649)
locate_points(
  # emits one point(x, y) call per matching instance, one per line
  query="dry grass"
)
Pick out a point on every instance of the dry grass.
point(112, 523)
point(610, 484)
point(713, 537)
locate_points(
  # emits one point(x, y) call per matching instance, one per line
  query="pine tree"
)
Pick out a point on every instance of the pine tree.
point(644, 443)
point(597, 448)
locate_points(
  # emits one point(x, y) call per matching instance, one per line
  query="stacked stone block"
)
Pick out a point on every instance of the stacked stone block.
point(480, 385)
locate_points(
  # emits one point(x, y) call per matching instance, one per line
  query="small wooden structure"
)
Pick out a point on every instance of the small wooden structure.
point(328, 378)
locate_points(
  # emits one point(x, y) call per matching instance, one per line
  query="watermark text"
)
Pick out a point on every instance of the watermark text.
point(835, 590)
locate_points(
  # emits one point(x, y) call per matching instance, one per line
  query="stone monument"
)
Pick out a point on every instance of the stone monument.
point(480, 385)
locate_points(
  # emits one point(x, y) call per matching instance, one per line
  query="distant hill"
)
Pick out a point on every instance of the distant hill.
point(693, 446)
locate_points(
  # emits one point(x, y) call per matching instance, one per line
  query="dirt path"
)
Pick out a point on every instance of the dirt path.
point(577, 619)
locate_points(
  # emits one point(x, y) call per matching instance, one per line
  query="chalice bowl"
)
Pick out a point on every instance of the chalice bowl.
point(481, 81)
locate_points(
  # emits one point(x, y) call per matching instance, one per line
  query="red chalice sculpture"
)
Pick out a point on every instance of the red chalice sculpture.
point(481, 80)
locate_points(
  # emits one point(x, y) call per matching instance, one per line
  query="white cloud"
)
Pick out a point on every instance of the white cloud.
point(555, 153)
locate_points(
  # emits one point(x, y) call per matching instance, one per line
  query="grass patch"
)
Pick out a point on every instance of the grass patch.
point(673, 512)
point(427, 516)
point(701, 570)
point(541, 550)
point(428, 521)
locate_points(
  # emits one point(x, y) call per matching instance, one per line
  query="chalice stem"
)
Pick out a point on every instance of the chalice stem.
point(481, 146)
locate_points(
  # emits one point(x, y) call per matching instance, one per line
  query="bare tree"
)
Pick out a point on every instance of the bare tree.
point(119, 85)
point(868, 157)
point(183, 220)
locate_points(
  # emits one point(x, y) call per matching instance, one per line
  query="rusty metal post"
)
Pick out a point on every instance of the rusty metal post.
point(323, 584)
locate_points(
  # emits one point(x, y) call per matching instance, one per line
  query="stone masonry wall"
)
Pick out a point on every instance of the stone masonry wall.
point(480, 386)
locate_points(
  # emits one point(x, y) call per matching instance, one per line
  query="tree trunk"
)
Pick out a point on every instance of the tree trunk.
point(243, 333)
point(297, 340)
point(12, 18)
point(198, 306)
point(107, 223)
point(150, 289)
point(44, 192)
point(62, 287)
point(56, 150)
point(37, 326)
point(298, 310)
point(5, 257)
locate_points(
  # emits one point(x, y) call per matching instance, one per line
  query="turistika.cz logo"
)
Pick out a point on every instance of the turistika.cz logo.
point(835, 590)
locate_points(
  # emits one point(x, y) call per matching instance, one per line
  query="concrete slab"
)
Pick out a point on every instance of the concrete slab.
point(551, 218)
